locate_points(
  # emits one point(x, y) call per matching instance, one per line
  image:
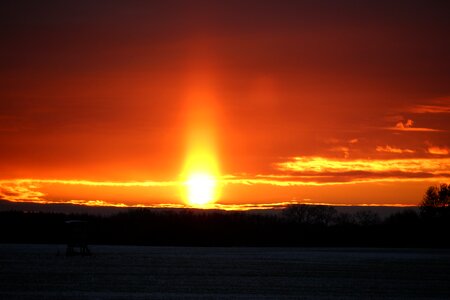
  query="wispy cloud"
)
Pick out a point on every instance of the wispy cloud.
point(296, 171)
point(106, 203)
point(221, 206)
point(438, 106)
point(408, 126)
point(433, 109)
point(320, 170)
point(345, 150)
point(345, 146)
point(438, 150)
point(390, 149)
point(96, 183)
point(20, 191)
point(321, 164)
point(31, 190)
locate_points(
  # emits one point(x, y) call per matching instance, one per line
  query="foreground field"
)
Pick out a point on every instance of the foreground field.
point(124, 272)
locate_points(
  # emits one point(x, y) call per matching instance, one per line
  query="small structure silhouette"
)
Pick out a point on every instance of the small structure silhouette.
point(77, 238)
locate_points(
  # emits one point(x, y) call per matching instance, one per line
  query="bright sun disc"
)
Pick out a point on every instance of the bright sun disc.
point(201, 189)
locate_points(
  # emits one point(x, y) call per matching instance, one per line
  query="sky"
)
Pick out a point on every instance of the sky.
point(115, 102)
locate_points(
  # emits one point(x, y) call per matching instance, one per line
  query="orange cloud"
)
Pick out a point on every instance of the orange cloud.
point(408, 126)
point(35, 190)
point(95, 183)
point(438, 150)
point(345, 150)
point(354, 170)
point(440, 105)
point(287, 180)
point(433, 109)
point(390, 149)
point(297, 170)
point(320, 164)
point(20, 191)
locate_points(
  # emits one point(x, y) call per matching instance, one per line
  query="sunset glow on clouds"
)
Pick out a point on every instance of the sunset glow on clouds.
point(325, 171)
point(408, 126)
point(438, 106)
point(296, 173)
point(438, 150)
point(120, 103)
point(390, 149)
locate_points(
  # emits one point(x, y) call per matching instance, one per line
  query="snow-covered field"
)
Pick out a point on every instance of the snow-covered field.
point(125, 272)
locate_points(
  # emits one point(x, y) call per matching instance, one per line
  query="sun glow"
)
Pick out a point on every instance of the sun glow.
point(201, 168)
point(201, 189)
point(200, 177)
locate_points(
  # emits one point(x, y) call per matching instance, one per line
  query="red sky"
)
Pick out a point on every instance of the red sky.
point(301, 101)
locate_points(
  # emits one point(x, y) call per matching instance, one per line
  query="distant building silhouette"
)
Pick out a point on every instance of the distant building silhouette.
point(77, 234)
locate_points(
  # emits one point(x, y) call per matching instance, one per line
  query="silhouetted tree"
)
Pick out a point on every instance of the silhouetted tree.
point(367, 218)
point(310, 214)
point(344, 219)
point(435, 202)
point(406, 218)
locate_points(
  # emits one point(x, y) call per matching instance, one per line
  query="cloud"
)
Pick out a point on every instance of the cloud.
point(31, 190)
point(440, 105)
point(322, 170)
point(345, 150)
point(283, 204)
point(433, 109)
point(390, 149)
point(408, 126)
point(321, 164)
point(294, 172)
point(147, 183)
point(19, 191)
point(438, 150)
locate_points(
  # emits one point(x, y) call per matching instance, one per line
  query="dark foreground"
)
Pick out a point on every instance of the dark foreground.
point(125, 272)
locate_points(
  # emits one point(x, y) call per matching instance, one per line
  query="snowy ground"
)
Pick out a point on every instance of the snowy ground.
point(123, 272)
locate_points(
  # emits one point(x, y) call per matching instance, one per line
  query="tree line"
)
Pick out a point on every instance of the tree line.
point(296, 225)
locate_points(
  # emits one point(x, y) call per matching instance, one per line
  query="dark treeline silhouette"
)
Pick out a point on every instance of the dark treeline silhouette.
point(296, 225)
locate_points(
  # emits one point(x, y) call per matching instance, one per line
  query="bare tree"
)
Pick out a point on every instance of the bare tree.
point(310, 214)
point(367, 218)
point(436, 201)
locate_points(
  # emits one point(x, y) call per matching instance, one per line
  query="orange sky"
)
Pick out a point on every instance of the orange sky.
point(345, 103)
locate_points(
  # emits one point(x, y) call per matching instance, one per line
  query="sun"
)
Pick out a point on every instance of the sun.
point(201, 170)
point(201, 189)
point(200, 178)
